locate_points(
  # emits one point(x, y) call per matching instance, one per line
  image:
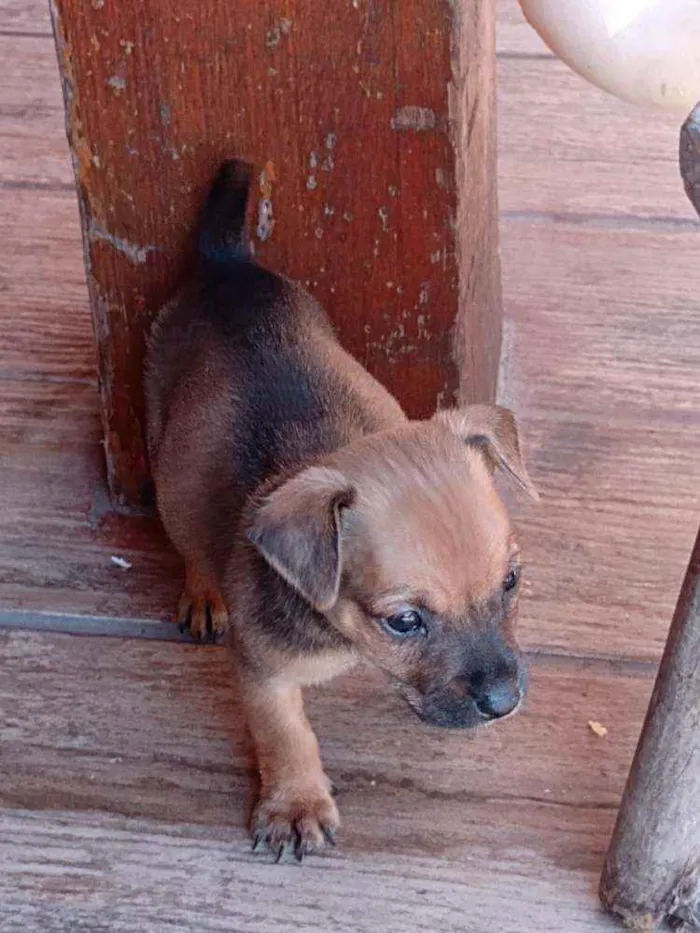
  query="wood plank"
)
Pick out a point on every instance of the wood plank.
point(94, 874)
point(57, 536)
point(145, 732)
point(158, 706)
point(516, 38)
point(48, 330)
point(606, 549)
point(19, 17)
point(567, 147)
point(605, 417)
point(615, 314)
point(33, 145)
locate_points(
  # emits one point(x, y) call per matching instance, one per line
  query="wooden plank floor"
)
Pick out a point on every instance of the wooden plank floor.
point(125, 783)
point(123, 768)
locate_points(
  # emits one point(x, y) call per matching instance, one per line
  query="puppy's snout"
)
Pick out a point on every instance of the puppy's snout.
point(499, 700)
point(501, 693)
point(477, 696)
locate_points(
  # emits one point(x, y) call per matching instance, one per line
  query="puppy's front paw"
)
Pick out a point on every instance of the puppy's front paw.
point(204, 614)
point(299, 819)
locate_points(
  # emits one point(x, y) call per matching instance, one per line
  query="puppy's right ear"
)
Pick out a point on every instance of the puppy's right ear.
point(297, 531)
point(493, 429)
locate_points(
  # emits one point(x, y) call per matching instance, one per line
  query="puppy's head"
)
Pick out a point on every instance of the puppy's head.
point(402, 542)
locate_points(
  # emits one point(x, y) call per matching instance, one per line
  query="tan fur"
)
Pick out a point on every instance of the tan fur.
point(201, 598)
point(353, 515)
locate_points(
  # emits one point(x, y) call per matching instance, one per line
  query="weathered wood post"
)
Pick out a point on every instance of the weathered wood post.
point(373, 125)
point(689, 157)
point(652, 871)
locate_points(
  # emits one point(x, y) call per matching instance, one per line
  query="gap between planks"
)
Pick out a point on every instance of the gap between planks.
point(96, 626)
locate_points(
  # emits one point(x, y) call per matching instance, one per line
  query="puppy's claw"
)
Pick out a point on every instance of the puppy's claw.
point(296, 824)
point(301, 849)
point(203, 615)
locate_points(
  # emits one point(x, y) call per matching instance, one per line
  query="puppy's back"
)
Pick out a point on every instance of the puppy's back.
point(231, 312)
point(244, 366)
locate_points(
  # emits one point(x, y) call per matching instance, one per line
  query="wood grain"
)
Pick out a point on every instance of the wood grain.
point(22, 17)
point(613, 312)
point(33, 147)
point(601, 576)
point(144, 732)
point(516, 38)
point(98, 874)
point(565, 149)
point(472, 101)
point(612, 423)
point(58, 536)
point(164, 703)
point(48, 331)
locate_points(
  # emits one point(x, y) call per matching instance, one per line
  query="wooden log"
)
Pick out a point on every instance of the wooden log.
point(652, 871)
point(689, 157)
point(373, 125)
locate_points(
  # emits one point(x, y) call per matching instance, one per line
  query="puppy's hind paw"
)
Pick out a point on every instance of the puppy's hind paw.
point(206, 617)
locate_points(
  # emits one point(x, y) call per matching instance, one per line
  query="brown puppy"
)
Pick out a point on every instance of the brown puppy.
point(332, 528)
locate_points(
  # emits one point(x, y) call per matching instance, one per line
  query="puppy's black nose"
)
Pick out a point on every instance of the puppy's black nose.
point(498, 700)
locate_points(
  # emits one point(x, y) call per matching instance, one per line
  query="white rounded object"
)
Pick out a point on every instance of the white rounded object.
point(644, 51)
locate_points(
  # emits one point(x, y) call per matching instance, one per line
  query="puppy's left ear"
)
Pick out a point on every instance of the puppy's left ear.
point(297, 531)
point(493, 429)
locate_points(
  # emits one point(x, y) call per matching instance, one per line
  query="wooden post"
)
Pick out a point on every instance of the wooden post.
point(373, 125)
point(652, 870)
point(689, 157)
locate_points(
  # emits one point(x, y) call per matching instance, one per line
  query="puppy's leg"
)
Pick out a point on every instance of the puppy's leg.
point(295, 809)
point(201, 607)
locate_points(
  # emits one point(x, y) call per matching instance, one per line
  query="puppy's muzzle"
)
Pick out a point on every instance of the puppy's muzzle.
point(467, 702)
point(500, 700)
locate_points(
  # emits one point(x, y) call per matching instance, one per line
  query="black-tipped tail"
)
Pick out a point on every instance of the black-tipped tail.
point(223, 232)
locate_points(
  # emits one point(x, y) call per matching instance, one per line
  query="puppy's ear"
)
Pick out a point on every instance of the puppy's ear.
point(494, 430)
point(297, 530)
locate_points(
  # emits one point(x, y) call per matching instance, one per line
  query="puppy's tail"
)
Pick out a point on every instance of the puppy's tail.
point(223, 230)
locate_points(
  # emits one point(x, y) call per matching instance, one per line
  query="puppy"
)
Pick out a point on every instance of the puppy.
point(324, 523)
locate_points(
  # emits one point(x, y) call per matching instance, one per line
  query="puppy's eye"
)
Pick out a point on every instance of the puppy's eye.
point(512, 580)
point(405, 624)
